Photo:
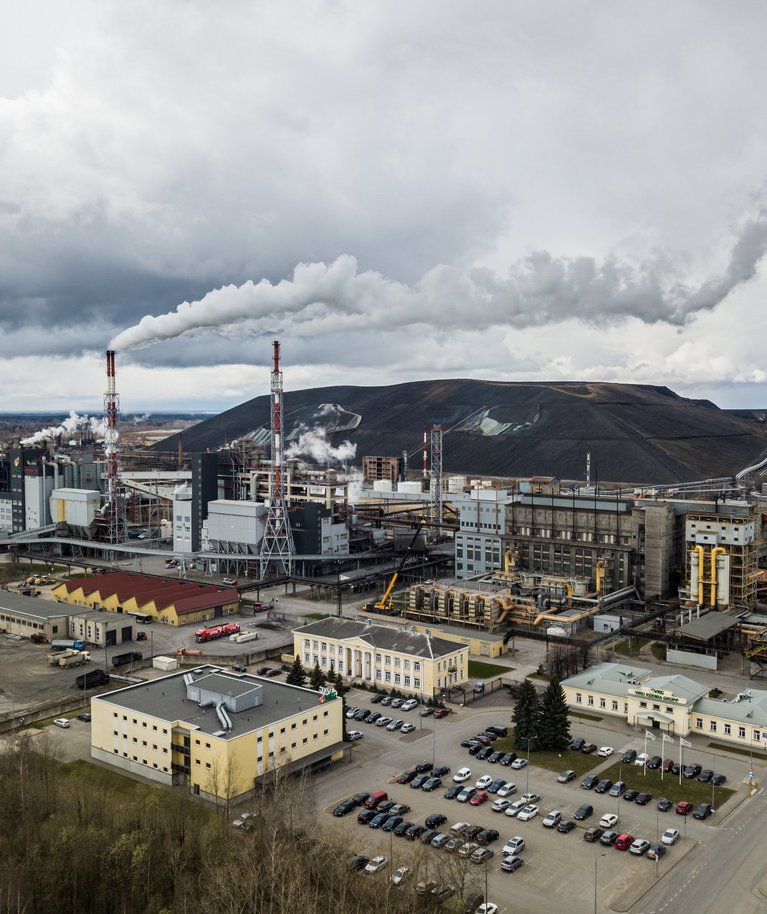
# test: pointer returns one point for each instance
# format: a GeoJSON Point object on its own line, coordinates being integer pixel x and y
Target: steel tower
{"type": "Point", "coordinates": [435, 484]}
{"type": "Point", "coordinates": [114, 509]}
{"type": "Point", "coordinates": [277, 549]}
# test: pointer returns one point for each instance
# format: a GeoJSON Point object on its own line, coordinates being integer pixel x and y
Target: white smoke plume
{"type": "Point", "coordinates": [70, 431]}
{"type": "Point", "coordinates": [323, 299]}
{"type": "Point", "coordinates": [314, 443]}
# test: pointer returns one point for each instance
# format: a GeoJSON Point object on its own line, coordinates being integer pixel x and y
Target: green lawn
{"type": "Point", "coordinates": [480, 670]}
{"type": "Point", "coordinates": [739, 750]}
{"type": "Point", "coordinates": [629, 648]}
{"type": "Point", "coordinates": [553, 761]}
{"type": "Point", "coordinates": [658, 649]}
{"type": "Point", "coordinates": [691, 790]}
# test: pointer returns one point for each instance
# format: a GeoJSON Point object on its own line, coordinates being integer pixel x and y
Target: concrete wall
{"type": "Point", "coordinates": [704, 661]}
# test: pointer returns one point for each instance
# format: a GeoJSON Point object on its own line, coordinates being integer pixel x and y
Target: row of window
{"type": "Point", "coordinates": [756, 735]}
{"type": "Point", "coordinates": [143, 761]}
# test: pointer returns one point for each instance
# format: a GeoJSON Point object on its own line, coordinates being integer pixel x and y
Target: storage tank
{"type": "Point", "coordinates": [77, 507]}
{"type": "Point", "coordinates": [382, 485]}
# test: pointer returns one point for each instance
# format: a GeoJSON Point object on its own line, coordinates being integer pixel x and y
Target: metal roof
{"type": "Point", "coordinates": [708, 626]}
{"type": "Point", "coordinates": [401, 640]}
{"type": "Point", "coordinates": [31, 607]}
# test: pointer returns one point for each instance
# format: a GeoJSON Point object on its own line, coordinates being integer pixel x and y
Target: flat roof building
{"type": "Point", "coordinates": [216, 732]}
{"type": "Point", "coordinates": [29, 616]}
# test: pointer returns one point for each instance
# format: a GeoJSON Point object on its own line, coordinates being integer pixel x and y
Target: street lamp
{"type": "Point", "coordinates": [596, 866]}
{"type": "Point", "coordinates": [528, 739]}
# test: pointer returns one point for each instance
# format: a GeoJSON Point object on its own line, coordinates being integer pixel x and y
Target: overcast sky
{"type": "Point", "coordinates": [397, 191]}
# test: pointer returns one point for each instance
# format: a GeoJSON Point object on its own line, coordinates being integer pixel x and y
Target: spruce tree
{"type": "Point", "coordinates": [525, 717]}
{"type": "Point", "coordinates": [339, 684]}
{"type": "Point", "coordinates": [554, 725]}
{"type": "Point", "coordinates": [317, 679]}
{"type": "Point", "coordinates": [296, 675]}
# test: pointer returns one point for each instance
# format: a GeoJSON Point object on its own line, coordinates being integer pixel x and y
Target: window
{"type": "Point", "coordinates": [578, 698]}
{"type": "Point", "coordinates": [727, 730]}
{"type": "Point", "coordinates": [712, 726]}
{"type": "Point", "coordinates": [698, 723]}
{"type": "Point", "coordinates": [590, 700]}
{"type": "Point", "coordinates": [669, 710]}
{"type": "Point", "coordinates": [642, 704]}
{"type": "Point", "coordinates": [602, 703]}
{"type": "Point", "coordinates": [742, 732]}
{"type": "Point", "coordinates": [416, 666]}
{"type": "Point", "coordinates": [615, 706]}
{"type": "Point", "coordinates": [417, 683]}
{"type": "Point", "coordinates": [756, 735]}
{"type": "Point", "coordinates": [656, 707]}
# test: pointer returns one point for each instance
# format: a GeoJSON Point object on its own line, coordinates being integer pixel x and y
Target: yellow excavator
{"type": "Point", "coordinates": [383, 605]}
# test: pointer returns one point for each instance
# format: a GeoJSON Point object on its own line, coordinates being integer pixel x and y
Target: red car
{"type": "Point", "coordinates": [480, 797]}
{"type": "Point", "coordinates": [441, 712]}
{"type": "Point", "coordinates": [684, 808]}
{"type": "Point", "coordinates": [623, 842]}
{"type": "Point", "coordinates": [668, 764]}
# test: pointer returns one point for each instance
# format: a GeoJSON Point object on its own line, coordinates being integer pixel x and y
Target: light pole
{"type": "Point", "coordinates": [528, 739]}
{"type": "Point", "coordinates": [596, 867]}
{"type": "Point", "coordinates": [433, 740]}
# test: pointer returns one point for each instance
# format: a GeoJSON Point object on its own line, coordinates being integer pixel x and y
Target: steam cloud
{"type": "Point", "coordinates": [323, 299]}
{"type": "Point", "coordinates": [70, 430]}
{"type": "Point", "coordinates": [314, 443]}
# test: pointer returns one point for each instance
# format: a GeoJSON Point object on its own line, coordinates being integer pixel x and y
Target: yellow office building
{"type": "Point", "coordinates": [412, 662]}
{"type": "Point", "coordinates": [214, 731]}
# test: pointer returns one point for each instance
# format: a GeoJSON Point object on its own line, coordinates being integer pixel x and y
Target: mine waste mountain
{"type": "Point", "coordinates": [635, 433]}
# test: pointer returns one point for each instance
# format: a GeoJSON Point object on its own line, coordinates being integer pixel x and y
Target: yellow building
{"type": "Point", "coordinates": [215, 732]}
{"type": "Point", "coordinates": [168, 600]}
{"type": "Point", "coordinates": [412, 662]}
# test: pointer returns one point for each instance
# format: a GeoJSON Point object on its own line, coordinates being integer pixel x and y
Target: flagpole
{"type": "Point", "coordinates": [644, 767]}
{"type": "Point", "coordinates": [680, 761]}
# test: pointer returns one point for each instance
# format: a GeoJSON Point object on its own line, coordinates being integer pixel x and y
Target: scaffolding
{"type": "Point", "coordinates": [436, 507]}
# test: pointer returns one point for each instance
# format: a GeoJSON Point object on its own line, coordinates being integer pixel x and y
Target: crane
{"type": "Point", "coordinates": [383, 604]}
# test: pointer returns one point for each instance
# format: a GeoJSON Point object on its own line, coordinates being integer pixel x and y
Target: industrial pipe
{"type": "Point", "coordinates": [698, 580]}
{"type": "Point", "coordinates": [717, 550]}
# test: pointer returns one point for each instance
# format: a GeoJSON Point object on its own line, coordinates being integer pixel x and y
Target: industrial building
{"type": "Point", "coordinates": [388, 468]}
{"type": "Point", "coordinates": [168, 600]}
{"type": "Point", "coordinates": [217, 733]}
{"type": "Point", "coordinates": [414, 663]}
{"type": "Point", "coordinates": [102, 628]}
{"type": "Point", "coordinates": [29, 616]}
{"type": "Point", "coordinates": [675, 705]}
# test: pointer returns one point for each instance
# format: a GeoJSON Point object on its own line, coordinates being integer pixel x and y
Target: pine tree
{"type": "Point", "coordinates": [296, 675]}
{"type": "Point", "coordinates": [339, 684]}
{"type": "Point", "coordinates": [525, 717]}
{"type": "Point", "coordinates": [317, 679]}
{"type": "Point", "coordinates": [554, 725]}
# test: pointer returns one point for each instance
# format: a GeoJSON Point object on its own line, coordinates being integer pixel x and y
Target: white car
{"type": "Point", "coordinates": [354, 735]}
{"type": "Point", "coordinates": [407, 728]}
{"type": "Point", "coordinates": [243, 819]}
{"type": "Point", "coordinates": [519, 763]}
{"type": "Point", "coordinates": [484, 782]}
{"type": "Point", "coordinates": [409, 704]}
{"type": "Point", "coordinates": [513, 846]}
{"type": "Point", "coordinates": [513, 810]}
{"type": "Point", "coordinates": [383, 721]}
{"type": "Point", "coordinates": [528, 812]}
{"type": "Point", "coordinates": [400, 875]}
{"type": "Point", "coordinates": [463, 774]}
{"type": "Point", "coordinates": [552, 819]}
{"type": "Point", "coordinates": [62, 722]}
{"type": "Point", "coordinates": [605, 751]}
{"type": "Point", "coordinates": [507, 790]}
{"type": "Point", "coordinates": [530, 797]}
{"type": "Point", "coordinates": [642, 759]}
{"type": "Point", "coordinates": [609, 820]}
{"type": "Point", "coordinates": [377, 864]}
{"type": "Point", "coordinates": [670, 836]}
{"type": "Point", "coordinates": [487, 908]}
{"type": "Point", "coordinates": [500, 805]}
{"type": "Point", "coordinates": [458, 828]}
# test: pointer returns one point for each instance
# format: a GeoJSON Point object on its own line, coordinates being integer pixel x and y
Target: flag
{"type": "Point", "coordinates": [648, 735]}
{"type": "Point", "coordinates": [667, 738]}
{"type": "Point", "coordinates": [683, 742]}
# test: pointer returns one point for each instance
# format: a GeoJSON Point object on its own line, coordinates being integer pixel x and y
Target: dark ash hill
{"type": "Point", "coordinates": [635, 433]}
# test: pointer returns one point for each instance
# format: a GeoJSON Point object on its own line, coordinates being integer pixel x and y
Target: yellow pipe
{"type": "Point", "coordinates": [717, 550]}
{"type": "Point", "coordinates": [699, 550]}
{"type": "Point", "coordinates": [600, 576]}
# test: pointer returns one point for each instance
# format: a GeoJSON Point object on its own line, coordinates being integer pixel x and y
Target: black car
{"type": "Point", "coordinates": [418, 782]}
{"type": "Point", "coordinates": [702, 811]}
{"type": "Point", "coordinates": [718, 779]}
{"type": "Point", "coordinates": [508, 758]}
{"type": "Point", "coordinates": [495, 758]}
{"type": "Point", "coordinates": [435, 820]}
{"type": "Point", "coordinates": [84, 716]}
{"type": "Point", "coordinates": [452, 792]}
{"type": "Point", "coordinates": [363, 714]}
{"type": "Point", "coordinates": [487, 836]}
{"type": "Point", "coordinates": [592, 834]}
{"type": "Point", "coordinates": [706, 776]}
{"type": "Point", "coordinates": [577, 744]}
{"type": "Point", "coordinates": [476, 748]}
{"type": "Point", "coordinates": [366, 816]}
{"type": "Point", "coordinates": [608, 838]}
{"type": "Point", "coordinates": [629, 756]}
{"type": "Point", "coordinates": [674, 769]}
{"type": "Point", "coordinates": [376, 699]}
{"type": "Point", "coordinates": [400, 830]}
{"type": "Point", "coordinates": [489, 735]}
{"type": "Point", "coordinates": [603, 786]}
{"type": "Point", "coordinates": [440, 771]}
{"type": "Point", "coordinates": [431, 784]}
{"type": "Point", "coordinates": [496, 785]}
{"type": "Point", "coordinates": [407, 776]}
{"type": "Point", "coordinates": [584, 811]}
{"type": "Point", "coordinates": [372, 718]}
{"type": "Point", "coordinates": [385, 806]}
{"type": "Point", "coordinates": [500, 731]}
{"type": "Point", "coordinates": [470, 832]}
{"type": "Point", "coordinates": [399, 809]}
{"type": "Point", "coordinates": [359, 798]}
{"type": "Point", "coordinates": [643, 798]}
{"type": "Point", "coordinates": [691, 771]}
{"type": "Point", "coordinates": [565, 826]}
{"type": "Point", "coordinates": [664, 805]}
{"type": "Point", "coordinates": [378, 819]}
{"type": "Point", "coordinates": [467, 743]}
{"type": "Point", "coordinates": [591, 781]}
{"type": "Point", "coordinates": [415, 832]}
{"type": "Point", "coordinates": [655, 762]}
{"type": "Point", "coordinates": [358, 862]}
{"type": "Point", "coordinates": [630, 795]}
{"type": "Point", "coordinates": [485, 753]}
{"type": "Point", "coordinates": [422, 767]}
{"type": "Point", "coordinates": [391, 823]}
{"type": "Point", "coordinates": [343, 808]}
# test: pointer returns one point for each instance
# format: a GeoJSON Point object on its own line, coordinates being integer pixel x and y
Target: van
{"type": "Point", "coordinates": [499, 731]}
{"type": "Point", "coordinates": [375, 798]}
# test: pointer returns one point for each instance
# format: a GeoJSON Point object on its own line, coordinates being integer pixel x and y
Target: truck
{"type": "Point", "coordinates": [91, 679]}
{"type": "Point", "coordinates": [216, 631]}
{"type": "Point", "coordinates": [129, 657]}
{"type": "Point", "coordinates": [62, 644]}
{"type": "Point", "coordinates": [55, 658]}
{"type": "Point", "coordinates": [79, 658]}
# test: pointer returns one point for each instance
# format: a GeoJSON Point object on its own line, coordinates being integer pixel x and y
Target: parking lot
{"type": "Point", "coordinates": [561, 866]}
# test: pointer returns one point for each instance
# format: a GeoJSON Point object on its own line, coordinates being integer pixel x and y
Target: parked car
{"type": "Point", "coordinates": [643, 798]}
{"type": "Point", "coordinates": [401, 875]}
{"type": "Point", "coordinates": [654, 762]}
{"type": "Point", "coordinates": [354, 735]}
{"type": "Point", "coordinates": [500, 805]}
{"type": "Point", "coordinates": [684, 808]}
{"type": "Point", "coordinates": [590, 782]}
{"type": "Point", "coordinates": [603, 786]}
{"type": "Point", "coordinates": [588, 748]}
{"type": "Point", "coordinates": [418, 781]}
{"type": "Point", "coordinates": [482, 855]}
{"type": "Point", "coordinates": [423, 767]}
{"type": "Point", "coordinates": [507, 790]}
{"type": "Point", "coordinates": [402, 828]}
{"type": "Point", "coordinates": [372, 718]}
{"type": "Point", "coordinates": [395, 724]}
{"type": "Point", "coordinates": [487, 836]}
{"type": "Point", "coordinates": [605, 751]}
{"type": "Point", "coordinates": [415, 832]}
{"type": "Point", "coordinates": [435, 820]}
{"type": "Point", "coordinates": [466, 850]}
{"type": "Point", "coordinates": [666, 765]}
{"type": "Point", "coordinates": [576, 744]}
{"type": "Point", "coordinates": [396, 702]}
{"type": "Point", "coordinates": [383, 721]}
{"type": "Point", "coordinates": [452, 792]}
{"type": "Point", "coordinates": [484, 782]}
{"type": "Point", "coordinates": [702, 811]}
{"type": "Point", "coordinates": [244, 820]}
{"type": "Point", "coordinates": [480, 797]}
{"type": "Point", "coordinates": [629, 756]}
{"type": "Point", "coordinates": [391, 823]}
{"type": "Point", "coordinates": [463, 774]}
{"type": "Point", "coordinates": [407, 776]}
{"type": "Point", "coordinates": [358, 862]}
{"type": "Point", "coordinates": [466, 794]}
{"type": "Point", "coordinates": [407, 728]}
{"type": "Point", "coordinates": [458, 828]}
{"type": "Point", "coordinates": [552, 819]}
{"type": "Point", "coordinates": [530, 797]}
{"type": "Point", "coordinates": [519, 763]}
{"type": "Point", "coordinates": [623, 842]}
{"type": "Point", "coordinates": [592, 834]}
{"type": "Point", "coordinates": [496, 785]}
{"type": "Point", "coordinates": [376, 699]}
{"type": "Point", "coordinates": [691, 771]}
{"type": "Point", "coordinates": [440, 840]}
{"type": "Point", "coordinates": [617, 789]}
{"type": "Point", "coordinates": [432, 784]}
{"type": "Point", "coordinates": [365, 816]}
{"type": "Point", "coordinates": [62, 722]}
{"type": "Point", "coordinates": [706, 776]}
{"type": "Point", "coordinates": [440, 771]}
{"type": "Point", "coordinates": [528, 812]}
{"type": "Point", "coordinates": [515, 807]}
{"type": "Point", "coordinates": [656, 851]}
{"type": "Point", "coordinates": [409, 704]}
{"type": "Point", "coordinates": [508, 758]}
{"type": "Point", "coordinates": [608, 820]}
{"type": "Point", "coordinates": [485, 753]}
{"type": "Point", "coordinates": [639, 847]}
{"type": "Point", "coordinates": [718, 779]}
{"type": "Point", "coordinates": [565, 826]}
{"type": "Point", "coordinates": [670, 836]}
{"type": "Point", "coordinates": [428, 836]}
{"type": "Point", "coordinates": [511, 864]}
{"type": "Point", "coordinates": [441, 712]}
{"type": "Point", "coordinates": [630, 795]}
{"type": "Point", "coordinates": [427, 712]}
{"type": "Point", "coordinates": [608, 838]}
{"type": "Point", "coordinates": [583, 812]}
{"type": "Point", "coordinates": [664, 805]}
{"type": "Point", "coordinates": [642, 759]}
{"type": "Point", "coordinates": [495, 758]}
{"type": "Point", "coordinates": [514, 846]}
{"type": "Point", "coordinates": [498, 730]}
{"type": "Point", "coordinates": [566, 776]}
{"type": "Point", "coordinates": [84, 716]}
